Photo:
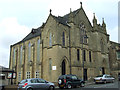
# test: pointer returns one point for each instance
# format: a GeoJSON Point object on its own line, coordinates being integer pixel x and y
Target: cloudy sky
{"type": "Point", "coordinates": [18, 17]}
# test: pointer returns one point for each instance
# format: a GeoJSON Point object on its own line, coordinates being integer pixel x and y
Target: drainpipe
{"type": "Point", "coordinates": [42, 62]}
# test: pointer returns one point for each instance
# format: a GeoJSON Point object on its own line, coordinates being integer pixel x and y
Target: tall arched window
{"type": "Point", "coordinates": [29, 51]}
{"type": "Point", "coordinates": [50, 39]}
{"type": "Point", "coordinates": [38, 50]}
{"type": "Point", "coordinates": [63, 38]}
{"type": "Point", "coordinates": [13, 57]}
{"type": "Point", "coordinates": [50, 65]}
{"type": "Point", "coordinates": [21, 54]}
{"type": "Point", "coordinates": [83, 35]}
{"type": "Point", "coordinates": [102, 45]}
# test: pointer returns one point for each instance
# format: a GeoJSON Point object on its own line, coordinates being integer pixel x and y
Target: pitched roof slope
{"type": "Point", "coordinates": [63, 20]}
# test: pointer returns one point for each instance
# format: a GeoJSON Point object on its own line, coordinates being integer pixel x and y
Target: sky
{"type": "Point", "coordinates": [18, 17]}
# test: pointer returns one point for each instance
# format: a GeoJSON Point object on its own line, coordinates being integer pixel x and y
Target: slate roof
{"type": "Point", "coordinates": [37, 32]}
{"type": "Point", "coordinates": [32, 34]}
{"type": "Point", "coordinates": [63, 20]}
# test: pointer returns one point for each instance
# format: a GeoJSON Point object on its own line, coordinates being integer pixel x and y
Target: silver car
{"type": "Point", "coordinates": [104, 78]}
{"type": "Point", "coordinates": [35, 84]}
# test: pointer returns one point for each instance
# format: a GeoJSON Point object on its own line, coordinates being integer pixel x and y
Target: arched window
{"type": "Point", "coordinates": [90, 56]}
{"type": "Point", "coordinates": [50, 65]}
{"type": "Point", "coordinates": [38, 50]}
{"type": "Point", "coordinates": [21, 54]}
{"type": "Point", "coordinates": [78, 54]}
{"type": "Point", "coordinates": [102, 45]}
{"type": "Point", "coordinates": [13, 57]}
{"type": "Point", "coordinates": [50, 39]}
{"type": "Point", "coordinates": [29, 51]}
{"type": "Point", "coordinates": [84, 55]}
{"type": "Point", "coordinates": [63, 38]}
{"type": "Point", "coordinates": [83, 35]}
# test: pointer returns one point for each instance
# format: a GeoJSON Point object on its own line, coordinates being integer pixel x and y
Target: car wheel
{"type": "Point", "coordinates": [69, 86]}
{"type": "Point", "coordinates": [51, 88]}
{"type": "Point", "coordinates": [112, 81]}
{"type": "Point", "coordinates": [29, 89]}
{"type": "Point", "coordinates": [105, 82]}
{"type": "Point", "coordinates": [82, 85]}
{"type": "Point", "coordinates": [61, 87]}
{"type": "Point", "coordinates": [96, 82]}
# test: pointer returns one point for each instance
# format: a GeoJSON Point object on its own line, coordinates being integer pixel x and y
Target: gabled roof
{"type": "Point", "coordinates": [32, 34]}
{"type": "Point", "coordinates": [63, 20]}
{"type": "Point", "coordinates": [73, 13]}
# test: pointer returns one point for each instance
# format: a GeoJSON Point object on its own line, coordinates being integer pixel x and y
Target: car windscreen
{"type": "Point", "coordinates": [74, 77]}
{"type": "Point", "coordinates": [23, 81]}
{"type": "Point", "coordinates": [61, 77]}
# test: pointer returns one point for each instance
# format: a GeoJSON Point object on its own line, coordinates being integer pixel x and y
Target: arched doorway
{"type": "Point", "coordinates": [63, 67]}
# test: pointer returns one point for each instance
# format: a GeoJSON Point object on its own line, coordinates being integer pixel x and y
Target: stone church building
{"type": "Point", "coordinates": [67, 44]}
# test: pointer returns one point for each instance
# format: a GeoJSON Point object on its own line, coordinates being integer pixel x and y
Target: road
{"type": "Point", "coordinates": [108, 86]}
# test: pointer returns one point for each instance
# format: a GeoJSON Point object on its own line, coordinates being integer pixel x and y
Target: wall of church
{"type": "Point", "coordinates": [43, 56]}
{"type": "Point", "coordinates": [23, 63]}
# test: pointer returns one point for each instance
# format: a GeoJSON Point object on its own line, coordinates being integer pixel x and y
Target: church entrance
{"type": "Point", "coordinates": [103, 70]}
{"type": "Point", "coordinates": [85, 74]}
{"type": "Point", "coordinates": [63, 67]}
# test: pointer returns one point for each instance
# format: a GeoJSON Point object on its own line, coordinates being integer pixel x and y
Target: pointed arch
{"type": "Point", "coordinates": [14, 55]}
{"type": "Point", "coordinates": [38, 50]}
{"type": "Point", "coordinates": [21, 52]}
{"type": "Point", "coordinates": [63, 38]}
{"type": "Point", "coordinates": [64, 65]}
{"type": "Point", "coordinates": [65, 58]}
{"type": "Point", "coordinates": [29, 51]}
{"type": "Point", "coordinates": [83, 32]}
{"type": "Point", "coordinates": [49, 38]}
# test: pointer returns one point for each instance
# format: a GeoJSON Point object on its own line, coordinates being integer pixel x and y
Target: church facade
{"type": "Point", "coordinates": [63, 45]}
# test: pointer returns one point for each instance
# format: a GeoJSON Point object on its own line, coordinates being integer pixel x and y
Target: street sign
{"type": "Point", "coordinates": [53, 67]}
{"type": "Point", "coordinates": [9, 75]}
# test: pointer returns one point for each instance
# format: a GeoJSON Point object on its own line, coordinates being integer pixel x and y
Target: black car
{"type": "Point", "coordinates": [70, 81]}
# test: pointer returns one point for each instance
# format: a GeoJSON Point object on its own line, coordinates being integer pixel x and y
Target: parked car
{"type": "Point", "coordinates": [35, 84]}
{"type": "Point", "coordinates": [104, 79]}
{"type": "Point", "coordinates": [118, 77]}
{"type": "Point", "coordinates": [70, 81]}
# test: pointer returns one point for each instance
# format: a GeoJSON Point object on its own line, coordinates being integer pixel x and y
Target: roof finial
{"type": "Point", "coordinates": [103, 19]}
{"type": "Point", "coordinates": [81, 4]}
{"type": "Point", "coordinates": [94, 20]}
{"type": "Point", "coordinates": [70, 10]}
{"type": "Point", "coordinates": [103, 24]}
{"type": "Point", "coordinates": [50, 11]}
{"type": "Point", "coordinates": [94, 15]}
